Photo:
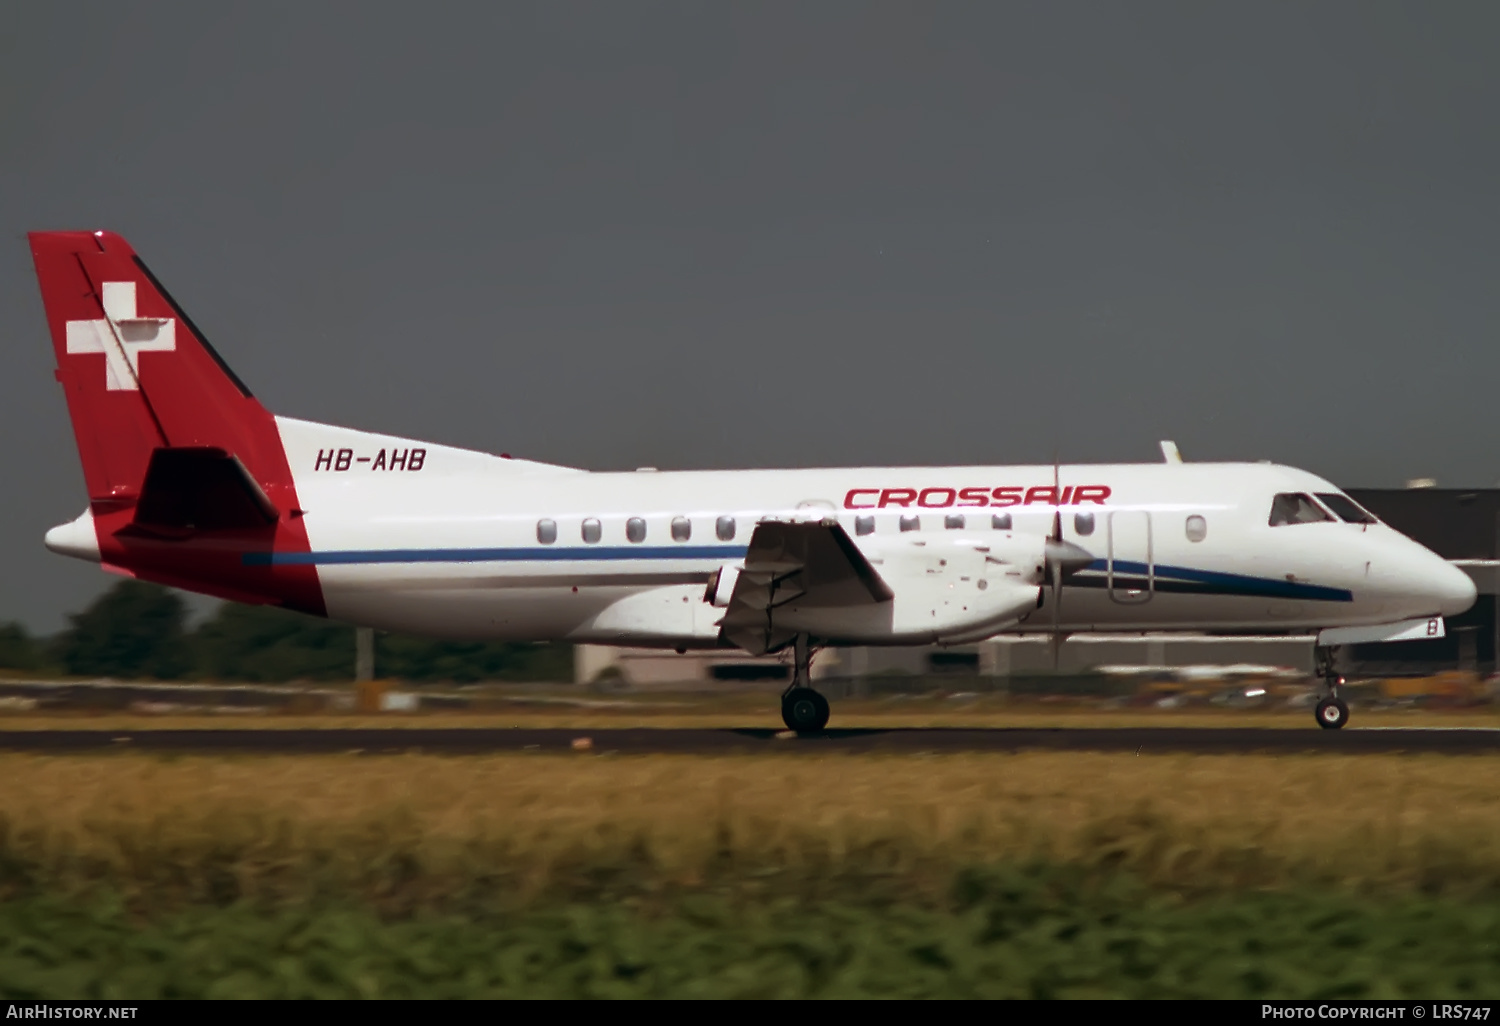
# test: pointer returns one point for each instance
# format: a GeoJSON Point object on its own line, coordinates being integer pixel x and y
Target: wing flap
{"type": "Point", "coordinates": [815, 564]}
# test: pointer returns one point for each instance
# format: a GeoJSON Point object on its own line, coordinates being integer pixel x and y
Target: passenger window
{"type": "Point", "coordinates": [864, 525]}
{"type": "Point", "coordinates": [911, 523]}
{"type": "Point", "coordinates": [954, 521]}
{"type": "Point", "coordinates": [1083, 523]}
{"type": "Point", "coordinates": [724, 528]}
{"type": "Point", "coordinates": [635, 529]}
{"type": "Point", "coordinates": [1197, 528]}
{"type": "Point", "coordinates": [1296, 508]}
{"type": "Point", "coordinates": [1347, 509]}
{"type": "Point", "coordinates": [591, 530]}
{"type": "Point", "coordinates": [682, 529]}
{"type": "Point", "coordinates": [546, 531]}
{"type": "Point", "coordinates": [1000, 522]}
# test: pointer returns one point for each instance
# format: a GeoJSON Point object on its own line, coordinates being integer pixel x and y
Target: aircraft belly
{"type": "Point", "coordinates": [460, 610]}
{"type": "Point", "coordinates": [477, 607]}
{"type": "Point", "coordinates": [670, 615]}
{"type": "Point", "coordinates": [1094, 610]}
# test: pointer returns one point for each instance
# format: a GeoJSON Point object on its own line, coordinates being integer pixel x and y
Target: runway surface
{"type": "Point", "coordinates": [644, 740]}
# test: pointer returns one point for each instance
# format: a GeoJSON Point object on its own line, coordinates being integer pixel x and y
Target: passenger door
{"type": "Point", "coordinates": [1131, 563]}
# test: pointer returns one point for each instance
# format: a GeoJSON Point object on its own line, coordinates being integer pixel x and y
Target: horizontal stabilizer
{"type": "Point", "coordinates": [200, 489]}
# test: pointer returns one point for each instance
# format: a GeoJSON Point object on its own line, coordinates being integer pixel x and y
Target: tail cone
{"type": "Point", "coordinates": [77, 538]}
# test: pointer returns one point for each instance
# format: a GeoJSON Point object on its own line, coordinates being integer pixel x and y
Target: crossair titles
{"type": "Point", "coordinates": [943, 498]}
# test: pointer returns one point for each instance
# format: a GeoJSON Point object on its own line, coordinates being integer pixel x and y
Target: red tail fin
{"type": "Point", "coordinates": [139, 378]}
{"type": "Point", "coordinates": [138, 374]}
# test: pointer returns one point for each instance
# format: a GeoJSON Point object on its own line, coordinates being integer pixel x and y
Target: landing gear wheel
{"type": "Point", "coordinates": [1332, 713]}
{"type": "Point", "coordinates": [804, 710]}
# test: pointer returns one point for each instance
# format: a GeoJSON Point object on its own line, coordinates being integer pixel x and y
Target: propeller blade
{"type": "Point", "coordinates": [1067, 556]}
{"type": "Point", "coordinates": [1056, 499]}
{"type": "Point", "coordinates": [1056, 615]}
{"type": "Point", "coordinates": [1054, 563]}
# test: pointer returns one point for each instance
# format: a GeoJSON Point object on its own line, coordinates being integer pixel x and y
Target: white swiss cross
{"type": "Point", "coordinates": [122, 337]}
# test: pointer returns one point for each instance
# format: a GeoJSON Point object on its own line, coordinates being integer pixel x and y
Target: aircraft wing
{"type": "Point", "coordinates": [814, 564]}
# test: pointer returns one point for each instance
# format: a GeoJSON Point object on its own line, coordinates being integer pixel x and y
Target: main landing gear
{"type": "Point", "coordinates": [1331, 712]}
{"type": "Point", "coordinates": [802, 708]}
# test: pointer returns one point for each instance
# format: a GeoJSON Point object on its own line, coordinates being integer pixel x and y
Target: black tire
{"type": "Point", "coordinates": [1331, 714]}
{"type": "Point", "coordinates": [804, 710]}
{"type": "Point", "coordinates": [823, 711]}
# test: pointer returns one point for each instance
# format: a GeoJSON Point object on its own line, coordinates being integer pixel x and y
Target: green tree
{"type": "Point", "coordinates": [134, 629]}
{"type": "Point", "coordinates": [18, 649]}
{"type": "Point", "coordinates": [424, 659]}
{"type": "Point", "coordinates": [268, 644]}
{"type": "Point", "coordinates": [137, 630]}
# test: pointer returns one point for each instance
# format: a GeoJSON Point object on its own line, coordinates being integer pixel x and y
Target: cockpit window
{"type": "Point", "coordinates": [1348, 510]}
{"type": "Point", "coordinates": [1296, 508]}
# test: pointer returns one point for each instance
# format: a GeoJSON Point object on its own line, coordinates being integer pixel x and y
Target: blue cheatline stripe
{"type": "Point", "coordinates": [1217, 583]}
{"type": "Point", "coordinates": [537, 554]}
{"type": "Point", "coordinates": [1206, 581]}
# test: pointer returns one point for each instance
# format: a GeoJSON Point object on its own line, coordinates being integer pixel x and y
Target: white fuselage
{"type": "Point", "coordinates": [441, 541]}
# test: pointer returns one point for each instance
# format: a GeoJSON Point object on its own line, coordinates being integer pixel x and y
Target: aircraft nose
{"type": "Point", "coordinates": [1453, 589]}
{"type": "Point", "coordinates": [1418, 582]}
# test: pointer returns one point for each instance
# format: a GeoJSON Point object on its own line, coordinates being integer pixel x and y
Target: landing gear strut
{"type": "Point", "coordinates": [802, 708]}
{"type": "Point", "coordinates": [1331, 712]}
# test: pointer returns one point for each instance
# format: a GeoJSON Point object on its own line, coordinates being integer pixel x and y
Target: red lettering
{"type": "Point", "coordinates": [343, 459]}
{"type": "Point", "coordinates": [398, 459]}
{"type": "Point", "coordinates": [325, 460]}
{"type": "Point", "coordinates": [417, 459]}
{"type": "Point", "coordinates": [379, 463]}
{"type": "Point", "coordinates": [941, 498]}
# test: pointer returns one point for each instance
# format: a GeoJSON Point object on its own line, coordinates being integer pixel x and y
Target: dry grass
{"type": "Point", "coordinates": [412, 828]}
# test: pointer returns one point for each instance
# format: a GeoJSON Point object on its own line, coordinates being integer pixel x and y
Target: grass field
{"type": "Point", "coordinates": [1414, 822]}
{"type": "Point", "coordinates": [585, 874]}
{"type": "Point", "coordinates": [1027, 932]}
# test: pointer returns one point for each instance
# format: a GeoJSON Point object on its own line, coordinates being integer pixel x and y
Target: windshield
{"type": "Point", "coordinates": [1348, 510]}
{"type": "Point", "coordinates": [1296, 508]}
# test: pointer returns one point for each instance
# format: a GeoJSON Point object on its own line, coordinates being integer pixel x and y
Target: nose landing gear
{"type": "Point", "coordinates": [802, 708]}
{"type": "Point", "coordinates": [1331, 712]}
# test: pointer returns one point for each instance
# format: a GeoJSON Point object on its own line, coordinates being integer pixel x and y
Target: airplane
{"type": "Point", "coordinates": [193, 484]}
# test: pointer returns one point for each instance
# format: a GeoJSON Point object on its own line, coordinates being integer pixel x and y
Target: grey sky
{"type": "Point", "coordinates": [765, 234]}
